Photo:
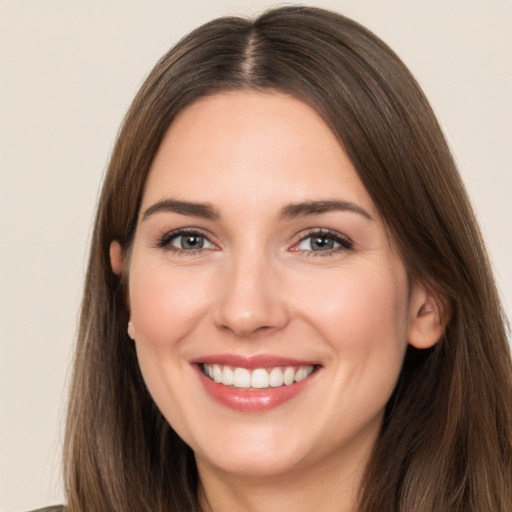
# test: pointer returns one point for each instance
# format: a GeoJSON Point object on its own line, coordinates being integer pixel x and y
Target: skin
{"type": "Point", "coordinates": [257, 287]}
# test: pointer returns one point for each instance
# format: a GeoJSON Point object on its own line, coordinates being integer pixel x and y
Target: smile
{"type": "Point", "coordinates": [257, 383]}
{"type": "Point", "coordinates": [257, 378]}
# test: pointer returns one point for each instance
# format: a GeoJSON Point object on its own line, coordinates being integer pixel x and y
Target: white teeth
{"type": "Point", "coordinates": [241, 378]}
{"type": "Point", "coordinates": [217, 373]}
{"type": "Point", "coordinates": [289, 375]}
{"type": "Point", "coordinates": [301, 374]}
{"type": "Point", "coordinates": [258, 378]}
{"type": "Point", "coordinates": [276, 377]}
{"type": "Point", "coordinates": [227, 376]}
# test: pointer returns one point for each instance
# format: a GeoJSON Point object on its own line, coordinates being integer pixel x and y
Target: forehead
{"type": "Point", "coordinates": [253, 146]}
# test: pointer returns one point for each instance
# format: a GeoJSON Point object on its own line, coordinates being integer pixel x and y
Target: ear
{"type": "Point", "coordinates": [429, 315]}
{"type": "Point", "coordinates": [116, 258]}
{"type": "Point", "coordinates": [117, 262]}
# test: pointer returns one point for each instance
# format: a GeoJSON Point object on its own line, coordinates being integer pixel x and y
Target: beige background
{"type": "Point", "coordinates": [68, 71]}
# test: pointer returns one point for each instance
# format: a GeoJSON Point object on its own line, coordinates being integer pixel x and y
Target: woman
{"type": "Point", "coordinates": [288, 303]}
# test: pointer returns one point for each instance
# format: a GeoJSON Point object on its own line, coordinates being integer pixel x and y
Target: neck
{"type": "Point", "coordinates": [329, 487]}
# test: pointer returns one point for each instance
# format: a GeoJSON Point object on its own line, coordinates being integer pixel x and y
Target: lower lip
{"type": "Point", "coordinates": [253, 400]}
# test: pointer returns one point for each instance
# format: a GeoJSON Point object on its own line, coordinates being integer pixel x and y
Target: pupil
{"type": "Point", "coordinates": [322, 242]}
{"type": "Point", "coordinates": [192, 242]}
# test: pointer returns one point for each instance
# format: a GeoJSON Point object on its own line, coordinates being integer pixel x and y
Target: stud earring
{"type": "Point", "coordinates": [130, 330]}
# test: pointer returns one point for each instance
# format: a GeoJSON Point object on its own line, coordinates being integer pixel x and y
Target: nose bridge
{"type": "Point", "coordinates": [251, 301]}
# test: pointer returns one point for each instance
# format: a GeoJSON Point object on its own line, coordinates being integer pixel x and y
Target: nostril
{"type": "Point", "coordinates": [264, 328]}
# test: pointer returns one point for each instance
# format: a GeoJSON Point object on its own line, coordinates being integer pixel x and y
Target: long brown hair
{"type": "Point", "coordinates": [446, 441]}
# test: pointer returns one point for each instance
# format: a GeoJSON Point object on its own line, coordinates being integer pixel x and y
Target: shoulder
{"type": "Point", "coordinates": [55, 508]}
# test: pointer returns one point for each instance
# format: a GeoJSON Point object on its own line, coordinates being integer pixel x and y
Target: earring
{"type": "Point", "coordinates": [130, 330]}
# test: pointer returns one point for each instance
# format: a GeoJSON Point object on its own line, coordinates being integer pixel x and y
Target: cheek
{"type": "Point", "coordinates": [362, 312]}
{"type": "Point", "coordinates": [165, 305]}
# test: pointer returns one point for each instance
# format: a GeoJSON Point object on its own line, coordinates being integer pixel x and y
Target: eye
{"type": "Point", "coordinates": [323, 242]}
{"type": "Point", "coordinates": [183, 240]}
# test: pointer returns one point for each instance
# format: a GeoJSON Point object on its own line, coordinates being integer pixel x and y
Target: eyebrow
{"type": "Point", "coordinates": [203, 210]}
{"type": "Point", "coordinates": [318, 207]}
{"type": "Point", "coordinates": [208, 211]}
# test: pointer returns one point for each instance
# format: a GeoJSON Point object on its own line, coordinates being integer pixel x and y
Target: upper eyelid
{"type": "Point", "coordinates": [305, 233]}
{"type": "Point", "coordinates": [180, 231]}
{"type": "Point", "coordinates": [345, 242]}
{"type": "Point", "coordinates": [166, 237]}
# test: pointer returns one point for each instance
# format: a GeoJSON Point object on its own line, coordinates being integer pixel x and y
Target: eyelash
{"type": "Point", "coordinates": [345, 244]}
{"type": "Point", "coordinates": [165, 242]}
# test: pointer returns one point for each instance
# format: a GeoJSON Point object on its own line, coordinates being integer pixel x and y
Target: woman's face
{"type": "Point", "coordinates": [259, 260]}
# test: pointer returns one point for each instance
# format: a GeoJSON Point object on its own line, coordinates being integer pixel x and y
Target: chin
{"type": "Point", "coordinates": [262, 464]}
{"type": "Point", "coordinates": [258, 453]}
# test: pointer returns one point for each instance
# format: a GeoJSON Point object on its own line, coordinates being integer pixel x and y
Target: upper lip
{"type": "Point", "coordinates": [251, 362]}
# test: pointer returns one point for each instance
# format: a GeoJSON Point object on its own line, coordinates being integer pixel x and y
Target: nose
{"type": "Point", "coordinates": [252, 300]}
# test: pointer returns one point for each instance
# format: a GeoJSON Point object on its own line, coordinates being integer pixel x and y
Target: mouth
{"type": "Point", "coordinates": [254, 384]}
{"type": "Point", "coordinates": [257, 378]}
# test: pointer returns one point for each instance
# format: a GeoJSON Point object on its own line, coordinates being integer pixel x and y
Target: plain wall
{"type": "Point", "coordinates": [68, 71]}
